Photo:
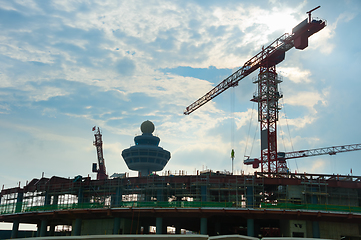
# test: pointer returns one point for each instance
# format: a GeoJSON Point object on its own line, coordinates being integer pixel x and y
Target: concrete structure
{"type": "Point", "coordinates": [290, 205]}
{"type": "Point", "coordinates": [146, 156]}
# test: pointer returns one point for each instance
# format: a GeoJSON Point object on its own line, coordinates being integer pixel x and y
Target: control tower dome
{"type": "Point", "coordinates": [146, 156]}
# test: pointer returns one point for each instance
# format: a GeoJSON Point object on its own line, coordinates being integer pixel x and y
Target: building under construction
{"type": "Point", "coordinates": [298, 205]}
{"type": "Point", "coordinates": [272, 202]}
{"type": "Point", "coordinates": [210, 203]}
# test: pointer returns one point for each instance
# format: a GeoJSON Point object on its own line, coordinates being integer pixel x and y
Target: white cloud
{"type": "Point", "coordinates": [243, 118]}
{"type": "Point", "coordinates": [307, 99]}
{"type": "Point", "coordinates": [322, 39]}
{"type": "Point", "coordinates": [317, 165]}
{"type": "Point", "coordinates": [46, 93]}
{"type": "Point", "coordinates": [84, 48]}
{"type": "Point", "coordinates": [298, 123]}
{"type": "Point", "coordinates": [295, 74]}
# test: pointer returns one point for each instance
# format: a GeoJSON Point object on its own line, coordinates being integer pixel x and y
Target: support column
{"type": "Point", "coordinates": [116, 226]}
{"type": "Point", "coordinates": [80, 197]}
{"type": "Point", "coordinates": [117, 198]}
{"type": "Point", "coordinates": [204, 226]}
{"type": "Point", "coordinates": [15, 229]}
{"type": "Point", "coordinates": [47, 199]}
{"type": "Point", "coordinates": [19, 202]}
{"type": "Point", "coordinates": [18, 208]}
{"type": "Point", "coordinates": [43, 227]}
{"type": "Point", "coordinates": [249, 197]}
{"type": "Point", "coordinates": [55, 201]}
{"type": "Point", "coordinates": [250, 227]}
{"type": "Point", "coordinates": [77, 227]}
{"type": "Point", "coordinates": [38, 227]}
{"type": "Point", "coordinates": [146, 228]}
{"type": "Point", "coordinates": [160, 197]}
{"type": "Point", "coordinates": [178, 228]}
{"type": "Point", "coordinates": [52, 230]}
{"type": "Point", "coordinates": [217, 228]}
{"type": "Point", "coordinates": [315, 229]}
{"type": "Point", "coordinates": [204, 193]}
{"type": "Point", "coordinates": [315, 224]}
{"type": "Point", "coordinates": [158, 225]}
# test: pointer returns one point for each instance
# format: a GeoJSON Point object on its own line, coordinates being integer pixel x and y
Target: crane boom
{"type": "Point", "coordinates": [322, 151]}
{"type": "Point", "coordinates": [283, 156]}
{"type": "Point", "coordinates": [275, 51]}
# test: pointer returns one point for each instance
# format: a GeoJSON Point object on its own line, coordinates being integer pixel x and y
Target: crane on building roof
{"type": "Point", "coordinates": [98, 143]}
{"type": "Point", "coordinates": [267, 94]}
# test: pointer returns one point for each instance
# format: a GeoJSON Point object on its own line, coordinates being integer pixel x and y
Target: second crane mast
{"type": "Point", "coordinates": [98, 143]}
{"type": "Point", "coordinates": [267, 95]}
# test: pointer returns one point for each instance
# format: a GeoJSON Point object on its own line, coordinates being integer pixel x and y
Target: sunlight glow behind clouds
{"type": "Point", "coordinates": [77, 64]}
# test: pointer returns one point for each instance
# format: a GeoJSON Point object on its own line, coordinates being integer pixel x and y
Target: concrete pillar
{"type": "Point", "coordinates": [116, 226]}
{"type": "Point", "coordinates": [47, 199]}
{"type": "Point", "coordinates": [146, 228]}
{"type": "Point", "coordinates": [315, 229]}
{"type": "Point", "coordinates": [77, 227]}
{"type": "Point", "coordinates": [204, 226]}
{"type": "Point", "coordinates": [38, 230]}
{"type": "Point", "coordinates": [52, 230]}
{"type": "Point", "coordinates": [204, 193]}
{"type": "Point", "coordinates": [117, 198]}
{"type": "Point", "coordinates": [160, 197]}
{"type": "Point", "coordinates": [249, 197]}
{"type": "Point", "coordinates": [217, 228]}
{"type": "Point", "coordinates": [19, 202]}
{"type": "Point", "coordinates": [15, 229]}
{"type": "Point", "coordinates": [250, 227]}
{"type": "Point", "coordinates": [55, 201]}
{"type": "Point", "coordinates": [80, 197]}
{"type": "Point", "coordinates": [314, 198]}
{"type": "Point", "coordinates": [178, 228]}
{"type": "Point", "coordinates": [159, 225]}
{"type": "Point", "coordinates": [43, 227]}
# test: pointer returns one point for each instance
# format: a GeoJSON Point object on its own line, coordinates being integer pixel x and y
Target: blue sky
{"type": "Point", "coordinates": [66, 66]}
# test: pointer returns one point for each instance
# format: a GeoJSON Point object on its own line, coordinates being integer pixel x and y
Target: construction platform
{"type": "Point", "coordinates": [261, 205]}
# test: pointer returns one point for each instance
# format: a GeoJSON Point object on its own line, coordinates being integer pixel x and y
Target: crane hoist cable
{"type": "Point", "coordinates": [232, 118]}
{"type": "Point", "coordinates": [288, 128]}
{"type": "Point", "coordinates": [232, 126]}
{"type": "Point", "coordinates": [248, 134]}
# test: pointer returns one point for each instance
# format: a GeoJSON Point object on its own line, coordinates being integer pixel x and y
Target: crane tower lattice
{"type": "Point", "coordinates": [267, 95]}
{"type": "Point", "coordinates": [98, 143]}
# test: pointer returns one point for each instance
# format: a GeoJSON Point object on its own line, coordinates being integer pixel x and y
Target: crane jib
{"type": "Point", "coordinates": [273, 54]}
{"type": "Point", "coordinates": [269, 56]}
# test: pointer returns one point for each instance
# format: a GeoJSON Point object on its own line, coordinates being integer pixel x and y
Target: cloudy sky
{"type": "Point", "coordinates": [66, 66]}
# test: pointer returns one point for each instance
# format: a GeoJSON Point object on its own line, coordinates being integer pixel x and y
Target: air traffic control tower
{"type": "Point", "coordinates": [146, 156]}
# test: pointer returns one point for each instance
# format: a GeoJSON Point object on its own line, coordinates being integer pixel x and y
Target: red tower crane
{"type": "Point", "coordinates": [267, 94]}
{"type": "Point", "coordinates": [98, 143]}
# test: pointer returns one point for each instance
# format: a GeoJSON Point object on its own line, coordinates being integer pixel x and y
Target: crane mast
{"type": "Point", "coordinates": [267, 94]}
{"type": "Point", "coordinates": [98, 143]}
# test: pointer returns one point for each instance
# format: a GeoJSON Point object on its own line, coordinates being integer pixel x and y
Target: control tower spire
{"type": "Point", "coordinates": [146, 156]}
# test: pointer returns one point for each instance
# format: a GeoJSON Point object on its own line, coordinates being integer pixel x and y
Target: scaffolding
{"type": "Point", "coordinates": [210, 189]}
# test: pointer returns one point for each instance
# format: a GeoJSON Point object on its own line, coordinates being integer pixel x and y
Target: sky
{"type": "Point", "coordinates": [66, 66]}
